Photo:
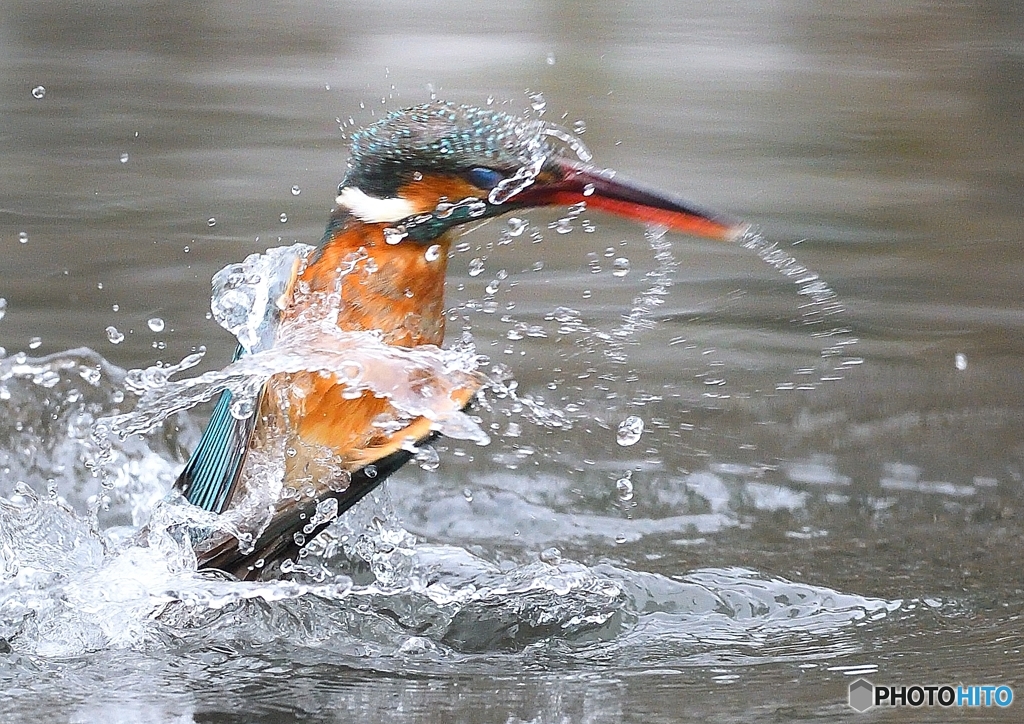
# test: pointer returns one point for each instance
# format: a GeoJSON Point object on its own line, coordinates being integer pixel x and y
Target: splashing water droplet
{"type": "Point", "coordinates": [296, 191]}
{"type": "Point", "coordinates": [242, 408]}
{"type": "Point", "coordinates": [23, 237]}
{"type": "Point", "coordinates": [537, 103]}
{"type": "Point", "coordinates": [393, 236]}
{"type": "Point", "coordinates": [620, 267]}
{"type": "Point", "coordinates": [35, 343]}
{"type": "Point", "coordinates": [562, 226]}
{"type": "Point", "coordinates": [476, 267]}
{"type": "Point", "coordinates": [427, 458]}
{"type": "Point", "coordinates": [629, 431]}
{"type": "Point", "coordinates": [516, 226]}
{"type": "Point", "coordinates": [551, 556]}
{"type": "Point", "coordinates": [624, 487]}
{"type": "Point", "coordinates": [244, 295]}
{"type": "Point", "coordinates": [433, 252]}
{"type": "Point", "coordinates": [38, 92]}
{"type": "Point", "coordinates": [113, 335]}
{"type": "Point", "coordinates": [156, 324]}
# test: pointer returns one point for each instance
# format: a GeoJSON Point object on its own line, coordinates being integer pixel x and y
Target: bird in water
{"type": "Point", "coordinates": [416, 179]}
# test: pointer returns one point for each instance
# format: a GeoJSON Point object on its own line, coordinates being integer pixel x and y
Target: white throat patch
{"type": "Point", "coordinates": [373, 210]}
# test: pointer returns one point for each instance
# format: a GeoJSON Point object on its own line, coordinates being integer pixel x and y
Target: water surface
{"type": "Point", "coordinates": [777, 535]}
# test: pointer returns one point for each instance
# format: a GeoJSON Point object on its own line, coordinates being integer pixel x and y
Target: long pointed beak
{"type": "Point", "coordinates": [572, 182]}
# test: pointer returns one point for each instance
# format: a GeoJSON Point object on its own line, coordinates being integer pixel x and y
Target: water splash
{"type": "Point", "coordinates": [50, 405]}
{"type": "Point", "coordinates": [421, 381]}
{"type": "Point", "coordinates": [821, 306]}
{"type": "Point", "coordinates": [66, 590]}
{"type": "Point", "coordinates": [246, 296]}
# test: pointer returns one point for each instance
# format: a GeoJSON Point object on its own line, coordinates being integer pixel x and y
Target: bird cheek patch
{"type": "Point", "coordinates": [374, 210]}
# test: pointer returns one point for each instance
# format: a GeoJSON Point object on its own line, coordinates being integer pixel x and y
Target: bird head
{"type": "Point", "coordinates": [426, 170]}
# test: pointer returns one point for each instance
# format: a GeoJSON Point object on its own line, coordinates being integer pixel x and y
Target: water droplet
{"type": "Point", "coordinates": [961, 361]}
{"type": "Point", "coordinates": [156, 324]}
{"type": "Point", "coordinates": [516, 226]}
{"type": "Point", "coordinates": [588, 190]}
{"type": "Point", "coordinates": [624, 486]}
{"type": "Point", "coordinates": [417, 176]}
{"type": "Point", "coordinates": [114, 336]}
{"type": "Point", "coordinates": [562, 226]}
{"type": "Point", "coordinates": [467, 494]}
{"type": "Point", "coordinates": [620, 539]}
{"type": "Point", "coordinates": [370, 471]}
{"type": "Point", "coordinates": [211, 222]}
{"type": "Point", "coordinates": [492, 287]}
{"type": "Point", "coordinates": [476, 267]}
{"type": "Point", "coordinates": [620, 267]}
{"type": "Point", "coordinates": [124, 158]}
{"type": "Point", "coordinates": [629, 431]}
{"type": "Point", "coordinates": [296, 191]}
{"type": "Point", "coordinates": [3, 307]}
{"type": "Point", "coordinates": [579, 127]}
{"type": "Point", "coordinates": [99, 285]}
{"type": "Point", "coordinates": [116, 307]}
{"type": "Point", "coordinates": [433, 252]}
{"type": "Point", "coordinates": [241, 408]}
{"type": "Point", "coordinates": [23, 237]}
{"type": "Point", "coordinates": [551, 556]}
{"type": "Point", "coordinates": [35, 343]}
{"type": "Point", "coordinates": [284, 218]}
{"type": "Point", "coordinates": [538, 103]}
{"type": "Point", "coordinates": [393, 236]}
{"type": "Point", "coordinates": [427, 458]}
{"type": "Point", "coordinates": [38, 92]}
{"type": "Point", "coordinates": [551, 58]}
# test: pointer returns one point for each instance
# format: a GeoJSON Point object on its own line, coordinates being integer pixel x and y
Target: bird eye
{"type": "Point", "coordinates": [484, 178]}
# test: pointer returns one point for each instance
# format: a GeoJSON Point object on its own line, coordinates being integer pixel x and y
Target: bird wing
{"type": "Point", "coordinates": [277, 541]}
{"type": "Point", "coordinates": [210, 475]}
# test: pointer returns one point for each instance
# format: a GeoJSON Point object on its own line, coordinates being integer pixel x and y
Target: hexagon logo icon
{"type": "Point", "coordinates": [862, 695]}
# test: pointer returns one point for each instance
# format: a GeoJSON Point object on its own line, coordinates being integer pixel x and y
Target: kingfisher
{"type": "Point", "coordinates": [415, 180]}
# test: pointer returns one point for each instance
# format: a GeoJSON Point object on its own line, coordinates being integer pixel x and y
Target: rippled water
{"type": "Point", "coordinates": [717, 498]}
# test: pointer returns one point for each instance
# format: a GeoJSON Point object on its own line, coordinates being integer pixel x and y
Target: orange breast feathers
{"type": "Point", "coordinates": [397, 289]}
